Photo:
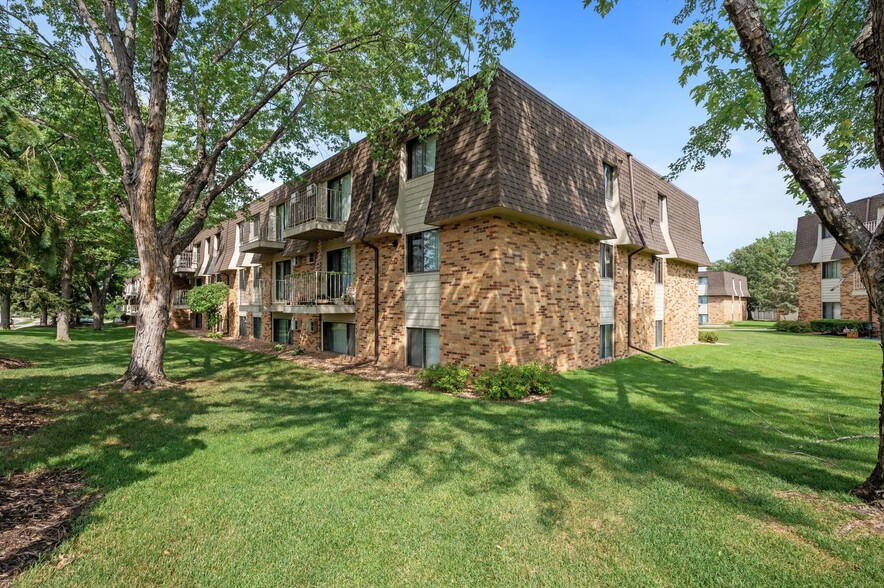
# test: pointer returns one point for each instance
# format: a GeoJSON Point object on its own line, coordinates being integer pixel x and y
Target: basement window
{"type": "Point", "coordinates": [832, 310]}
{"type": "Point", "coordinates": [422, 347]}
{"type": "Point", "coordinates": [606, 342]}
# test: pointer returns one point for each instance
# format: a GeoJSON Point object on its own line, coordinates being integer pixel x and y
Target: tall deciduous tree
{"type": "Point", "coordinates": [772, 283]}
{"type": "Point", "coordinates": [202, 95]}
{"type": "Point", "coordinates": [797, 72]}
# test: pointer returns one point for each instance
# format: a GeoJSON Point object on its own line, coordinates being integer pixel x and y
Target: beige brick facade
{"type": "Point", "coordinates": [722, 309]}
{"type": "Point", "coordinates": [810, 305]}
{"type": "Point", "coordinates": [680, 324]}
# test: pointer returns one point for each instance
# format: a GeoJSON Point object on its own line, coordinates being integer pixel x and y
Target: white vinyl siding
{"type": "Point", "coordinates": [659, 302]}
{"type": "Point", "coordinates": [421, 289]}
{"type": "Point", "coordinates": [422, 301]}
{"type": "Point", "coordinates": [606, 301]}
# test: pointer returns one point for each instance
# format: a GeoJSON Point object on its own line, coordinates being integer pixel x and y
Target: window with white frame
{"type": "Point", "coordinates": [422, 347]}
{"type": "Point", "coordinates": [606, 267]}
{"type": "Point", "coordinates": [606, 341]}
{"type": "Point", "coordinates": [610, 180]}
{"type": "Point", "coordinates": [831, 270]}
{"type": "Point", "coordinates": [421, 157]}
{"type": "Point", "coordinates": [832, 310]}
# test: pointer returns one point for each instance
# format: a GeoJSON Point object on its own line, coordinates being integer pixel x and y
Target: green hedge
{"type": "Point", "coordinates": [708, 336]}
{"type": "Point", "coordinates": [515, 381]}
{"type": "Point", "coordinates": [836, 327]}
{"type": "Point", "coordinates": [451, 378]}
{"type": "Point", "coordinates": [793, 326]}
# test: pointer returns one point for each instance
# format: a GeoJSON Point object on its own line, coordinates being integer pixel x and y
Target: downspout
{"type": "Point", "coordinates": [641, 236]}
{"type": "Point", "coordinates": [377, 261]}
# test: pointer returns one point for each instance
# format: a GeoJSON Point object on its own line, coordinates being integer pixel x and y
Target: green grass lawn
{"type": "Point", "coordinates": [261, 473]}
{"type": "Point", "coordinates": [756, 324]}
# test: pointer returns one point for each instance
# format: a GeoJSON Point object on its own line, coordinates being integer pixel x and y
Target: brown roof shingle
{"type": "Point", "coordinates": [725, 284]}
{"type": "Point", "coordinates": [866, 209]}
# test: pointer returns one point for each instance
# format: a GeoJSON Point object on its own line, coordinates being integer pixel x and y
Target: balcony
{"type": "Point", "coordinates": [858, 287]}
{"type": "Point", "coordinates": [130, 309]}
{"type": "Point", "coordinates": [318, 214]}
{"type": "Point", "coordinates": [261, 237]}
{"type": "Point", "coordinates": [179, 299]}
{"type": "Point", "coordinates": [185, 263]}
{"type": "Point", "coordinates": [317, 293]}
{"type": "Point", "coordinates": [132, 289]}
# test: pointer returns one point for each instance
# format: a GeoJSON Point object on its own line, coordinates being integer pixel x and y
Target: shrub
{"type": "Point", "coordinates": [836, 327]}
{"type": "Point", "coordinates": [515, 381]}
{"type": "Point", "coordinates": [708, 336]}
{"type": "Point", "coordinates": [297, 351]}
{"type": "Point", "coordinates": [792, 326]}
{"type": "Point", "coordinates": [451, 378]}
{"type": "Point", "coordinates": [279, 347]}
{"type": "Point", "coordinates": [214, 335]}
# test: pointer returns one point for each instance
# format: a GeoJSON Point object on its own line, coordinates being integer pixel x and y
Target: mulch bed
{"type": "Point", "coordinates": [9, 363]}
{"type": "Point", "coordinates": [36, 513]}
{"type": "Point", "coordinates": [21, 418]}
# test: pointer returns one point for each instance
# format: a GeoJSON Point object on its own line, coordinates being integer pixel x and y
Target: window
{"type": "Point", "coordinates": [296, 325]}
{"type": "Point", "coordinates": [421, 157]}
{"type": "Point", "coordinates": [703, 281]}
{"type": "Point", "coordinates": [282, 331]}
{"type": "Point", "coordinates": [704, 318]}
{"type": "Point", "coordinates": [243, 282]}
{"type": "Point", "coordinates": [658, 270]}
{"type": "Point", "coordinates": [661, 207]}
{"type": "Point", "coordinates": [256, 327]}
{"type": "Point", "coordinates": [606, 342]}
{"type": "Point", "coordinates": [283, 270]}
{"type": "Point", "coordinates": [256, 284]}
{"type": "Point", "coordinates": [606, 268]}
{"type": "Point", "coordinates": [197, 321]}
{"type": "Point", "coordinates": [339, 198]}
{"type": "Point", "coordinates": [281, 221]}
{"type": "Point", "coordinates": [339, 338]}
{"type": "Point", "coordinates": [825, 232]}
{"type": "Point", "coordinates": [831, 270]}
{"type": "Point", "coordinates": [831, 310]}
{"type": "Point", "coordinates": [423, 252]}
{"type": "Point", "coordinates": [243, 327]}
{"type": "Point", "coordinates": [215, 243]}
{"type": "Point", "coordinates": [422, 347]}
{"type": "Point", "coordinates": [311, 258]}
{"type": "Point", "coordinates": [703, 299]}
{"type": "Point", "coordinates": [658, 328]}
{"type": "Point", "coordinates": [610, 178]}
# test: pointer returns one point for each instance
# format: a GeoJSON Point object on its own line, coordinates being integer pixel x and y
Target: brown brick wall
{"type": "Point", "coordinates": [680, 321]}
{"type": "Point", "coordinates": [809, 294]}
{"type": "Point", "coordinates": [392, 301]}
{"type": "Point", "coordinates": [515, 292]}
{"type": "Point", "coordinates": [722, 309]}
{"type": "Point", "coordinates": [643, 289]}
{"type": "Point", "coordinates": [854, 307]}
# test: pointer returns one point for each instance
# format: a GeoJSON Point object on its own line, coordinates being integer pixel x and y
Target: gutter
{"type": "Point", "coordinates": [377, 261]}
{"type": "Point", "coordinates": [641, 236]}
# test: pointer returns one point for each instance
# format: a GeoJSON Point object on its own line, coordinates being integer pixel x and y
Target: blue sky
{"type": "Point", "coordinates": [613, 74]}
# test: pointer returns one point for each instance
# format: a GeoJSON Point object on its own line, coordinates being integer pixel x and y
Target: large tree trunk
{"type": "Point", "coordinates": [63, 322]}
{"type": "Point", "coordinates": [97, 301]}
{"type": "Point", "coordinates": [5, 311]}
{"type": "Point", "coordinates": [784, 129]}
{"type": "Point", "coordinates": [149, 346]}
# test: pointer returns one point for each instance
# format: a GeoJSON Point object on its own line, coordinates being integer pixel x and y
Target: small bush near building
{"type": "Point", "coordinates": [836, 327]}
{"type": "Point", "coordinates": [279, 347]}
{"type": "Point", "coordinates": [214, 335]}
{"type": "Point", "coordinates": [793, 326]}
{"type": "Point", "coordinates": [451, 378]}
{"type": "Point", "coordinates": [515, 381]}
{"type": "Point", "coordinates": [708, 336]}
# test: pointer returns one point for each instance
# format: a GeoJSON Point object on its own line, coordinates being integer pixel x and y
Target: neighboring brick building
{"type": "Point", "coordinates": [826, 286]}
{"type": "Point", "coordinates": [508, 241]}
{"type": "Point", "coordinates": [722, 297]}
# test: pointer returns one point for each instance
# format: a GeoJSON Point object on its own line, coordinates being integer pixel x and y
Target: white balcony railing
{"type": "Point", "coordinates": [858, 282]}
{"type": "Point", "coordinates": [244, 297]}
{"type": "Point", "coordinates": [309, 288]}
{"type": "Point", "coordinates": [179, 298]}
{"type": "Point", "coordinates": [132, 288]}
{"type": "Point", "coordinates": [185, 261]}
{"type": "Point", "coordinates": [261, 231]}
{"type": "Point", "coordinates": [318, 204]}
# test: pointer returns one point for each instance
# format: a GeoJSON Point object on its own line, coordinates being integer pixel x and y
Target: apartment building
{"type": "Point", "coordinates": [722, 297]}
{"type": "Point", "coordinates": [828, 287]}
{"type": "Point", "coordinates": [531, 237]}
